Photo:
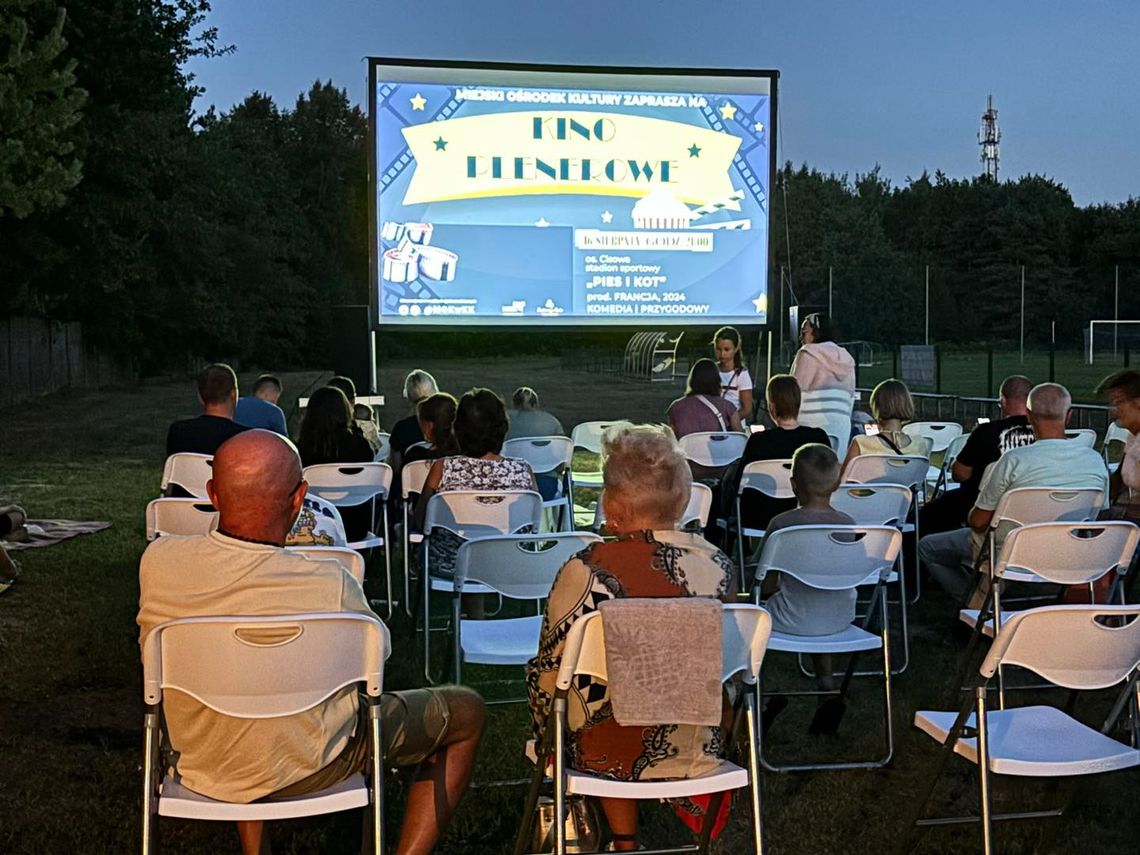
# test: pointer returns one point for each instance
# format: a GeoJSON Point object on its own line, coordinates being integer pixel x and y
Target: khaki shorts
{"type": "Point", "coordinates": [413, 725]}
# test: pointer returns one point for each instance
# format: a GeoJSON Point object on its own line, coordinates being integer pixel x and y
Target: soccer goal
{"type": "Point", "coordinates": [1106, 340]}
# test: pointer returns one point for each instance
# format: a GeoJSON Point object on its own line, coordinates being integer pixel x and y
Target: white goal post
{"type": "Point", "coordinates": [1115, 331]}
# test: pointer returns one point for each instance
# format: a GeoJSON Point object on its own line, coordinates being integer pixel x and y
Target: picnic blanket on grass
{"type": "Point", "coordinates": [50, 532]}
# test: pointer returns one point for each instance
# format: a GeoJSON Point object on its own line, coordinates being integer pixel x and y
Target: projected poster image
{"type": "Point", "coordinates": [500, 203]}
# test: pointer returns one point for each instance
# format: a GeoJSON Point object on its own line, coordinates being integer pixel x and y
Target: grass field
{"type": "Point", "coordinates": [71, 712]}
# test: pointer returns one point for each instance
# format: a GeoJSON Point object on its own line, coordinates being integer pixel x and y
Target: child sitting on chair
{"type": "Point", "coordinates": [799, 609]}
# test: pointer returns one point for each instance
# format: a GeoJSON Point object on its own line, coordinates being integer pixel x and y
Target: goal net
{"type": "Point", "coordinates": [1107, 341]}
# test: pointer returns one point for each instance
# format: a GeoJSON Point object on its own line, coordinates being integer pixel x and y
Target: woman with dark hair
{"type": "Point", "coordinates": [735, 381]}
{"type": "Point", "coordinates": [702, 408]}
{"type": "Point", "coordinates": [480, 429]}
{"type": "Point", "coordinates": [436, 416]}
{"type": "Point", "coordinates": [820, 363]}
{"type": "Point", "coordinates": [327, 437]}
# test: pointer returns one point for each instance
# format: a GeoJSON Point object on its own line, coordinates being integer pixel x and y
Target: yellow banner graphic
{"type": "Point", "coordinates": [607, 154]}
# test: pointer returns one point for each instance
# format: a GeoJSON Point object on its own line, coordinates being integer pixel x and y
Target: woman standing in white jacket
{"type": "Point", "coordinates": [820, 363]}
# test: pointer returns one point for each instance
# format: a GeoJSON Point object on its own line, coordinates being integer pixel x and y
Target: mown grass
{"type": "Point", "coordinates": [70, 705]}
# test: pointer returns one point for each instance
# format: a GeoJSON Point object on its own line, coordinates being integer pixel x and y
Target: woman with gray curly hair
{"type": "Point", "coordinates": [646, 483]}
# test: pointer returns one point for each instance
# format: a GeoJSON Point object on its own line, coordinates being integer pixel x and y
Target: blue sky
{"type": "Point", "coordinates": [901, 84]}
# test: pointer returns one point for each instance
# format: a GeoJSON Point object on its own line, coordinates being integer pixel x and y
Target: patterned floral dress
{"type": "Point", "coordinates": [644, 564]}
{"type": "Point", "coordinates": [472, 473]}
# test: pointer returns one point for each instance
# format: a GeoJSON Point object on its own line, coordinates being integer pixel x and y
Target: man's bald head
{"type": "Point", "coordinates": [255, 485]}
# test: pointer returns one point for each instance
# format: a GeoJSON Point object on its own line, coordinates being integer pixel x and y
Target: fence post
{"type": "Point", "coordinates": [989, 372]}
{"type": "Point", "coordinates": [937, 370]}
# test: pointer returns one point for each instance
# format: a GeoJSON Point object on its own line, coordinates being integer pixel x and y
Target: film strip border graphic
{"type": "Point", "coordinates": [747, 173]}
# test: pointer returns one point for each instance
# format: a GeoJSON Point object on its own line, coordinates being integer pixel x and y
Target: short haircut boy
{"type": "Point", "coordinates": [815, 469]}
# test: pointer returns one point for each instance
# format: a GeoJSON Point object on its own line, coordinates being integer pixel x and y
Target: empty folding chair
{"type": "Point", "coordinates": [939, 433]}
{"type": "Point", "coordinates": [551, 456]}
{"type": "Point", "coordinates": [713, 449]}
{"type": "Point", "coordinates": [881, 504]}
{"type": "Point", "coordinates": [1085, 436]}
{"type": "Point", "coordinates": [907, 469]}
{"type": "Point", "coordinates": [944, 480]}
{"type": "Point", "coordinates": [188, 472]}
{"type": "Point", "coordinates": [179, 516]}
{"type": "Point", "coordinates": [1074, 647]}
{"type": "Point", "coordinates": [836, 558]}
{"type": "Point", "coordinates": [516, 567]}
{"type": "Point", "coordinates": [261, 668]}
{"type": "Point", "coordinates": [588, 437]}
{"type": "Point", "coordinates": [744, 637]}
{"type": "Point", "coordinates": [412, 478]}
{"type": "Point", "coordinates": [349, 485]}
{"type": "Point", "coordinates": [1115, 438]}
{"type": "Point", "coordinates": [470, 514]}
{"type": "Point", "coordinates": [350, 559]}
{"type": "Point", "coordinates": [771, 478]}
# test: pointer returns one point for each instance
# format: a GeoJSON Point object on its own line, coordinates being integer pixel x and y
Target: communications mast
{"type": "Point", "coordinates": [988, 138]}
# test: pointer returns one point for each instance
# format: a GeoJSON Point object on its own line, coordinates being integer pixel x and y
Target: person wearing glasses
{"type": "Point", "coordinates": [820, 363]}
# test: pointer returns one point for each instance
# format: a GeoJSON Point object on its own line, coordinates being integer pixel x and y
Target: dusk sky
{"type": "Point", "coordinates": [894, 82]}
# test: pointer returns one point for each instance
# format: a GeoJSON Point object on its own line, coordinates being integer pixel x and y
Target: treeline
{"type": "Point", "coordinates": [171, 234]}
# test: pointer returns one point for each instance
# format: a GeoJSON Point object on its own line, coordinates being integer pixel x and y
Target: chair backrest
{"type": "Point", "coordinates": [1069, 553]}
{"type": "Point", "coordinates": [264, 667]}
{"type": "Point", "coordinates": [349, 483]}
{"type": "Point", "coordinates": [954, 449]}
{"type": "Point", "coordinates": [1115, 434]}
{"type": "Point", "coordinates": [907, 469]}
{"type": "Point", "coordinates": [873, 504]}
{"type": "Point", "coordinates": [830, 410]}
{"type": "Point", "coordinates": [482, 513]}
{"type": "Point", "coordinates": [412, 477]}
{"type": "Point", "coordinates": [1077, 647]}
{"type": "Point", "coordinates": [588, 435]}
{"type": "Point", "coordinates": [1085, 436]}
{"type": "Point", "coordinates": [544, 453]}
{"type": "Point", "coordinates": [385, 449]}
{"type": "Point", "coordinates": [188, 471]}
{"type": "Point", "coordinates": [350, 559]}
{"type": "Point", "coordinates": [770, 477]}
{"type": "Point", "coordinates": [521, 567]}
{"type": "Point", "coordinates": [939, 433]}
{"type": "Point", "coordinates": [744, 639]}
{"type": "Point", "coordinates": [830, 557]}
{"type": "Point", "coordinates": [696, 511]}
{"type": "Point", "coordinates": [179, 516]}
{"type": "Point", "coordinates": [713, 448]}
{"type": "Point", "coordinates": [1024, 505]}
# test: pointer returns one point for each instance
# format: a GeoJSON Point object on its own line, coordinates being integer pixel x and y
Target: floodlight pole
{"type": "Point", "coordinates": [1115, 311]}
{"type": "Point", "coordinates": [830, 310]}
{"type": "Point", "coordinates": [927, 304]}
{"type": "Point", "coordinates": [1023, 314]}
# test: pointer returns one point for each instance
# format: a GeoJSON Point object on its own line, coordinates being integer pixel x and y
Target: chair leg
{"type": "Point", "coordinates": [425, 590]}
{"type": "Point", "coordinates": [150, 787]}
{"type": "Point", "coordinates": [754, 771]}
{"type": "Point", "coordinates": [387, 558]}
{"type": "Point", "coordinates": [559, 776]}
{"type": "Point", "coordinates": [377, 784]}
{"type": "Point", "coordinates": [887, 705]}
{"type": "Point", "coordinates": [456, 616]}
{"type": "Point", "coordinates": [984, 769]}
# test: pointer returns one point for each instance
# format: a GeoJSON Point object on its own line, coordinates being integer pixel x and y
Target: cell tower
{"type": "Point", "coordinates": [988, 138]}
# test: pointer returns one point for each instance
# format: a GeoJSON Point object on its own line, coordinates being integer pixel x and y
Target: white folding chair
{"type": "Point", "coordinates": [881, 504]}
{"type": "Point", "coordinates": [1113, 437]}
{"type": "Point", "coordinates": [385, 450]}
{"type": "Point", "coordinates": [944, 480]}
{"type": "Point", "coordinates": [273, 667]}
{"type": "Point", "coordinates": [1055, 553]}
{"type": "Point", "coordinates": [744, 638]}
{"type": "Point", "coordinates": [188, 471]}
{"type": "Point", "coordinates": [350, 559]}
{"type": "Point", "coordinates": [553, 456]}
{"type": "Point", "coordinates": [1085, 436]}
{"type": "Point", "coordinates": [695, 515]}
{"type": "Point", "coordinates": [836, 558]}
{"type": "Point", "coordinates": [1087, 647]}
{"type": "Point", "coordinates": [179, 516]}
{"type": "Point", "coordinates": [516, 567]}
{"type": "Point", "coordinates": [910, 470]}
{"type": "Point", "coordinates": [412, 478]}
{"type": "Point", "coordinates": [830, 410]}
{"type": "Point", "coordinates": [587, 436]}
{"type": "Point", "coordinates": [349, 485]}
{"type": "Point", "coordinates": [713, 449]}
{"type": "Point", "coordinates": [471, 514]}
{"type": "Point", "coordinates": [771, 478]}
{"type": "Point", "coordinates": [939, 433]}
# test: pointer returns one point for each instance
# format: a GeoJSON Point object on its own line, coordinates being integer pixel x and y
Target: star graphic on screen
{"type": "Point", "coordinates": [541, 222]}
{"type": "Point", "coordinates": [440, 144]}
{"type": "Point", "coordinates": [418, 101]}
{"type": "Point", "coordinates": [758, 127]}
{"type": "Point", "coordinates": [727, 111]}
{"type": "Point", "coordinates": [607, 217]}
{"type": "Point", "coordinates": [694, 150]}
{"type": "Point", "coordinates": [761, 304]}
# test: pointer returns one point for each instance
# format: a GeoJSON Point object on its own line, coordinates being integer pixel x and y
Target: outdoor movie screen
{"type": "Point", "coordinates": [523, 195]}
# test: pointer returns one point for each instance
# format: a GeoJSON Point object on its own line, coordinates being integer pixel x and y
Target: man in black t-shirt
{"type": "Point", "coordinates": [986, 444]}
{"type": "Point", "coordinates": [218, 394]}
